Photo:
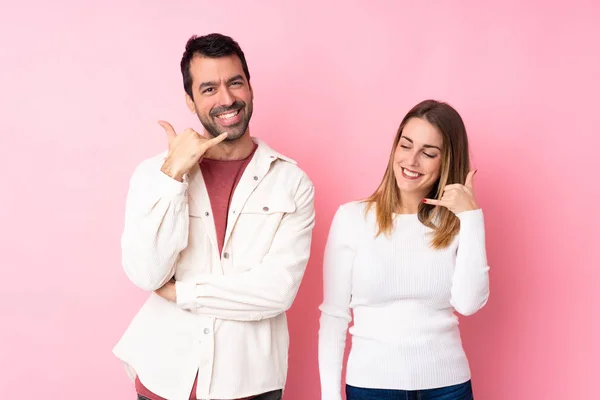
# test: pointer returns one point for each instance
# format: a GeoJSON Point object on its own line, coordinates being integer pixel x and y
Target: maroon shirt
{"type": "Point", "coordinates": [221, 178]}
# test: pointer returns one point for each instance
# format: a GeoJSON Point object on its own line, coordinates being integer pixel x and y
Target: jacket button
{"type": "Point", "coordinates": [206, 213]}
{"type": "Point", "coordinates": [256, 178]}
{"type": "Point", "coordinates": [265, 208]}
{"type": "Point", "coordinates": [225, 255]}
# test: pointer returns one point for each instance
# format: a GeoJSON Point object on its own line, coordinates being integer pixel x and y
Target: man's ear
{"type": "Point", "coordinates": [190, 103]}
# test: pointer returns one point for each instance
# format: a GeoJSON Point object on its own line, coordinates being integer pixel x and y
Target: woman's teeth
{"type": "Point", "coordinates": [410, 173]}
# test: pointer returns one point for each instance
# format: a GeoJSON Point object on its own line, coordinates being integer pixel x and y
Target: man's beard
{"type": "Point", "coordinates": [234, 132]}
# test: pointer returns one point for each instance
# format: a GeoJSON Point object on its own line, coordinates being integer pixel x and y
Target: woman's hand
{"type": "Point", "coordinates": [456, 197]}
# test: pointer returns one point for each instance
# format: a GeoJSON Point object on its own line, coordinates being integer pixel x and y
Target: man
{"type": "Point", "coordinates": [219, 230]}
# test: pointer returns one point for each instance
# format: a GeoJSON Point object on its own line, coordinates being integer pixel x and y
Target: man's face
{"type": "Point", "coordinates": [222, 95]}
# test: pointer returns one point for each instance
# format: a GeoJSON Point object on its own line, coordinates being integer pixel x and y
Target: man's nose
{"type": "Point", "coordinates": [225, 97]}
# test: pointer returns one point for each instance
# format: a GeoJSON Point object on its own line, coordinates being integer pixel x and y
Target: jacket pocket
{"type": "Point", "coordinates": [257, 226]}
{"type": "Point", "coordinates": [269, 206]}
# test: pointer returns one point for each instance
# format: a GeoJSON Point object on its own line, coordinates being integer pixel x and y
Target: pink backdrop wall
{"type": "Point", "coordinates": [83, 86]}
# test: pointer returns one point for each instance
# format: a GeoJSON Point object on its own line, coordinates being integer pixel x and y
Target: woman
{"type": "Point", "coordinates": [404, 260]}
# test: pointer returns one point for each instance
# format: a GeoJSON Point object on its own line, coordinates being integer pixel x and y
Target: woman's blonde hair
{"type": "Point", "coordinates": [454, 169]}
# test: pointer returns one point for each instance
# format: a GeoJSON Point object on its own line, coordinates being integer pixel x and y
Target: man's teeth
{"type": "Point", "coordinates": [410, 173]}
{"type": "Point", "coordinates": [228, 116]}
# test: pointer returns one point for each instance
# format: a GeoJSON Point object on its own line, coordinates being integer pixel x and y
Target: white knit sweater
{"type": "Point", "coordinates": [403, 295]}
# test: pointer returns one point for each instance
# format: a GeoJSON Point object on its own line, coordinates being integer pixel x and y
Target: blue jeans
{"type": "Point", "coordinates": [274, 395]}
{"type": "Point", "coordinates": [461, 391]}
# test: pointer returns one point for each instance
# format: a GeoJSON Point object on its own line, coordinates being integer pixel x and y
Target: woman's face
{"type": "Point", "coordinates": [418, 157]}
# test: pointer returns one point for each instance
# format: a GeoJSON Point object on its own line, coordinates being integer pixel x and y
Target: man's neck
{"type": "Point", "coordinates": [227, 150]}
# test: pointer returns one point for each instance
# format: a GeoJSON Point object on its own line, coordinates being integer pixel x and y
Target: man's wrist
{"type": "Point", "coordinates": [185, 295]}
{"type": "Point", "coordinates": [167, 169]}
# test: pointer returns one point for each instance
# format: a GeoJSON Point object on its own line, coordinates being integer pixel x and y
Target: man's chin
{"type": "Point", "coordinates": [233, 136]}
{"type": "Point", "coordinates": [234, 132]}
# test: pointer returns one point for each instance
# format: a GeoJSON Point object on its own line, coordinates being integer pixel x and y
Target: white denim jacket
{"type": "Point", "coordinates": [229, 323]}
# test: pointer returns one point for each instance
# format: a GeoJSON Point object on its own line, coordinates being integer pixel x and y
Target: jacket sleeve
{"type": "Point", "coordinates": [156, 225]}
{"type": "Point", "coordinates": [267, 289]}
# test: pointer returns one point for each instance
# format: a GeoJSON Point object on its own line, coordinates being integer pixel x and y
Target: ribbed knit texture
{"type": "Point", "coordinates": [403, 295]}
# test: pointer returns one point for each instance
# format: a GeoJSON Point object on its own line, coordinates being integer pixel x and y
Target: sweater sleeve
{"type": "Point", "coordinates": [156, 225]}
{"type": "Point", "coordinates": [335, 308]}
{"type": "Point", "coordinates": [470, 282]}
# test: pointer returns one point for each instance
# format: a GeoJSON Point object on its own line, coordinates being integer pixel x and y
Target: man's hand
{"type": "Point", "coordinates": [185, 150]}
{"type": "Point", "coordinates": [457, 198]}
{"type": "Point", "coordinates": [167, 291]}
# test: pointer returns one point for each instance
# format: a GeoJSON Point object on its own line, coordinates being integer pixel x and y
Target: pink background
{"type": "Point", "coordinates": [83, 86]}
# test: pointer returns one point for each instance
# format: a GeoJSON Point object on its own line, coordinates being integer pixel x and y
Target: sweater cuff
{"type": "Point", "coordinates": [471, 216]}
{"type": "Point", "coordinates": [185, 293]}
{"type": "Point", "coordinates": [472, 233]}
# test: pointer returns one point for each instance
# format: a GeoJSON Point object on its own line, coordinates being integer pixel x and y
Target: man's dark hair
{"type": "Point", "coordinates": [213, 45]}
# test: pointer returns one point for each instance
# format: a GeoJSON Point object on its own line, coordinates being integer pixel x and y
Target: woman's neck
{"type": "Point", "coordinates": [409, 203]}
